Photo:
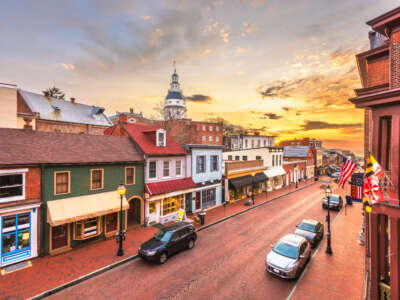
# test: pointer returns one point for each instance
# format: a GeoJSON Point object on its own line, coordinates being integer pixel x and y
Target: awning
{"type": "Point", "coordinates": [163, 187]}
{"type": "Point", "coordinates": [247, 180]}
{"type": "Point", "coordinates": [275, 172]}
{"type": "Point", "coordinates": [79, 208]}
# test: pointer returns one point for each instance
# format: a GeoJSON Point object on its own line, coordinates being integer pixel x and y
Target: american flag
{"type": "Point", "coordinates": [346, 169]}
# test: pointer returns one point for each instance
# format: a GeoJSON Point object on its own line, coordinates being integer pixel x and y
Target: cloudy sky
{"type": "Point", "coordinates": [284, 67]}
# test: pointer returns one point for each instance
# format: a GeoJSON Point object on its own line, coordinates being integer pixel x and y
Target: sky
{"type": "Point", "coordinates": [285, 68]}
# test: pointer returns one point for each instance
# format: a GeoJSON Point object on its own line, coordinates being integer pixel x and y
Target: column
{"type": "Point", "coordinates": [374, 255]}
{"type": "Point", "coordinates": [394, 258]}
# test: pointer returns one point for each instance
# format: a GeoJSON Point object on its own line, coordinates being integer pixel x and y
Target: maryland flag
{"type": "Point", "coordinates": [373, 168]}
{"type": "Point", "coordinates": [366, 205]}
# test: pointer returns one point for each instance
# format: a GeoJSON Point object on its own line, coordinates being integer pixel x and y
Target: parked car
{"type": "Point", "coordinates": [289, 256]}
{"type": "Point", "coordinates": [311, 230]}
{"type": "Point", "coordinates": [336, 176]}
{"type": "Point", "coordinates": [168, 241]}
{"type": "Point", "coordinates": [335, 202]}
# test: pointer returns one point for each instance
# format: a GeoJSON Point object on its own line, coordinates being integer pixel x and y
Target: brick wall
{"type": "Point", "coordinates": [51, 126]}
{"type": "Point", "coordinates": [395, 59]}
{"type": "Point", "coordinates": [378, 71]}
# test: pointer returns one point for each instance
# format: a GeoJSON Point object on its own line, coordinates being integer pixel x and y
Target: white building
{"type": "Point", "coordinates": [247, 141]}
{"type": "Point", "coordinates": [174, 104]}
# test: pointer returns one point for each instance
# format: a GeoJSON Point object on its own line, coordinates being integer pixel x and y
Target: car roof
{"type": "Point", "coordinates": [176, 226]}
{"type": "Point", "coordinates": [293, 239]}
{"type": "Point", "coordinates": [310, 221]}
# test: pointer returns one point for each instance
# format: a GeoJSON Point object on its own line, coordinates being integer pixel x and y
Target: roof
{"type": "Point", "coordinates": [140, 134]}
{"type": "Point", "coordinates": [163, 187]}
{"type": "Point", "coordinates": [65, 111]}
{"type": "Point", "coordinates": [176, 226]}
{"type": "Point", "coordinates": [204, 146]}
{"type": "Point", "coordinates": [20, 146]}
{"type": "Point", "coordinates": [293, 239]}
{"type": "Point", "coordinates": [295, 151]}
{"type": "Point", "coordinates": [174, 95]}
{"type": "Point", "coordinates": [379, 23]}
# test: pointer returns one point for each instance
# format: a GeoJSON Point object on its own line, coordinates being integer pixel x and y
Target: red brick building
{"type": "Point", "coordinates": [379, 70]}
{"type": "Point", "coordinates": [293, 168]}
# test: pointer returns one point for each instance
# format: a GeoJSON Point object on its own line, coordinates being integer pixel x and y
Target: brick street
{"type": "Point", "coordinates": [228, 260]}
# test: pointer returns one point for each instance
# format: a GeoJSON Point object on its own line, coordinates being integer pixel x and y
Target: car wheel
{"type": "Point", "coordinates": [190, 244]}
{"type": "Point", "coordinates": [163, 258]}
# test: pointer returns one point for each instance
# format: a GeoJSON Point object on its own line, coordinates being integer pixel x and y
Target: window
{"type": "Point", "coordinates": [273, 160]}
{"type": "Point", "coordinates": [152, 207]}
{"type": "Point", "coordinates": [265, 143]}
{"type": "Point", "coordinates": [217, 138]}
{"type": "Point", "coordinates": [203, 138]}
{"type": "Point", "coordinates": [214, 163]}
{"type": "Point", "coordinates": [252, 143]}
{"type": "Point", "coordinates": [152, 169]}
{"type": "Point", "coordinates": [201, 164]}
{"type": "Point", "coordinates": [161, 138]}
{"type": "Point", "coordinates": [229, 157]}
{"type": "Point", "coordinates": [258, 157]}
{"type": "Point", "coordinates": [178, 166]}
{"type": "Point", "coordinates": [15, 235]}
{"type": "Point", "coordinates": [172, 204]}
{"type": "Point", "coordinates": [166, 168]}
{"type": "Point", "coordinates": [204, 127]}
{"type": "Point", "coordinates": [111, 222]}
{"type": "Point", "coordinates": [208, 198]}
{"type": "Point", "coordinates": [237, 157]}
{"type": "Point", "coordinates": [244, 157]}
{"type": "Point", "coordinates": [211, 128]}
{"type": "Point", "coordinates": [12, 186]}
{"type": "Point", "coordinates": [280, 160]}
{"type": "Point", "coordinates": [62, 183]}
{"type": "Point", "coordinates": [87, 228]}
{"type": "Point", "coordinates": [129, 175]}
{"type": "Point", "coordinates": [96, 179]}
{"type": "Point", "coordinates": [258, 143]}
{"type": "Point", "coordinates": [217, 128]}
{"type": "Point", "coordinates": [246, 143]}
{"type": "Point", "coordinates": [210, 138]}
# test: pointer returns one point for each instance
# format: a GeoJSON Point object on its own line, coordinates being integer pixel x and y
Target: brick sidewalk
{"type": "Point", "coordinates": [52, 271]}
{"type": "Point", "coordinates": [341, 275]}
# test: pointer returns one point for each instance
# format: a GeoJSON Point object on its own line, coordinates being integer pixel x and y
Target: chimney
{"type": "Point", "coordinates": [123, 119]}
{"type": "Point", "coordinates": [27, 124]}
{"type": "Point", "coordinates": [72, 100]}
{"type": "Point", "coordinates": [131, 110]}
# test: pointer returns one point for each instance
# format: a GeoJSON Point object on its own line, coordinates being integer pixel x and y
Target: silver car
{"type": "Point", "coordinates": [289, 256]}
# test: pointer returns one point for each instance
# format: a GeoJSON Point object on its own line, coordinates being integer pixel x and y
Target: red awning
{"type": "Point", "coordinates": [164, 187]}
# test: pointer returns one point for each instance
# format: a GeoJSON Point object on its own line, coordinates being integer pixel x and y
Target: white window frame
{"type": "Point", "coordinates": [169, 169]}
{"type": "Point", "coordinates": [210, 138]}
{"type": "Point", "coordinates": [155, 162]}
{"type": "Point", "coordinates": [210, 128]}
{"type": "Point", "coordinates": [216, 128]}
{"type": "Point", "coordinates": [162, 143]}
{"type": "Point", "coordinates": [204, 127]}
{"type": "Point", "coordinates": [203, 138]}
{"type": "Point", "coordinates": [15, 172]}
{"type": "Point", "coordinates": [217, 138]}
{"type": "Point", "coordinates": [178, 162]}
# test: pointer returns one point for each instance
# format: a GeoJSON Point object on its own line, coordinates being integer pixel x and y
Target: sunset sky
{"type": "Point", "coordinates": [284, 67]}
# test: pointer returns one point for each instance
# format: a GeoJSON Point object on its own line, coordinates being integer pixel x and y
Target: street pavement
{"type": "Point", "coordinates": [228, 260]}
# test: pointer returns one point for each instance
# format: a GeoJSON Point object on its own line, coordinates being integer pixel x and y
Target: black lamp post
{"type": "Point", "coordinates": [252, 186]}
{"type": "Point", "coordinates": [328, 193]}
{"type": "Point", "coordinates": [121, 191]}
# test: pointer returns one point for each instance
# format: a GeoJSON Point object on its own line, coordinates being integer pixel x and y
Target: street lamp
{"type": "Point", "coordinates": [252, 185]}
{"type": "Point", "coordinates": [121, 191]}
{"type": "Point", "coordinates": [328, 193]}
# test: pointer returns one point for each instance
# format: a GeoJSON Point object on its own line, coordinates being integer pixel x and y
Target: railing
{"type": "Point", "coordinates": [384, 291]}
{"type": "Point", "coordinates": [389, 189]}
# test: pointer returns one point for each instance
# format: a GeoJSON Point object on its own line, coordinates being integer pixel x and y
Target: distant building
{"type": "Point", "coordinates": [302, 142]}
{"type": "Point", "coordinates": [131, 117]}
{"type": "Point", "coordinates": [239, 141]}
{"type": "Point", "coordinates": [295, 153]}
{"type": "Point", "coordinates": [43, 113]}
{"type": "Point", "coordinates": [174, 103]}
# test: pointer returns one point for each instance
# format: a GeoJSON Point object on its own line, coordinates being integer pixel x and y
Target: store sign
{"type": "Point", "coordinates": [181, 212]}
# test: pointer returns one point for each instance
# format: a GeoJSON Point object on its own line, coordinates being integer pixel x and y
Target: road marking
{"type": "Point", "coordinates": [309, 263]}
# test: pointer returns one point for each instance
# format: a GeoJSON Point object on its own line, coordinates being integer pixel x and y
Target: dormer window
{"type": "Point", "coordinates": [161, 138]}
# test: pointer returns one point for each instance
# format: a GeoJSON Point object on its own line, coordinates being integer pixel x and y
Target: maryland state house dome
{"type": "Point", "coordinates": [174, 104]}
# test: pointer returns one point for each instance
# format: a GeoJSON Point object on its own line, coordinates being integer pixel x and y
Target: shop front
{"type": "Point", "coordinates": [275, 178]}
{"type": "Point", "coordinates": [73, 221]}
{"type": "Point", "coordinates": [241, 187]}
{"type": "Point", "coordinates": [207, 196]}
{"type": "Point", "coordinates": [19, 230]}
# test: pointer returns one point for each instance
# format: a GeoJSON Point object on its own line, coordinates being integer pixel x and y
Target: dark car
{"type": "Point", "coordinates": [335, 202]}
{"type": "Point", "coordinates": [168, 241]}
{"type": "Point", "coordinates": [311, 230]}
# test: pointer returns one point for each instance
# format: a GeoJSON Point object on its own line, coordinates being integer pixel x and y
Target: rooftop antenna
{"type": "Point", "coordinates": [174, 66]}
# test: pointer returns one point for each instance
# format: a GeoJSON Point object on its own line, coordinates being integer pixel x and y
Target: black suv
{"type": "Point", "coordinates": [167, 241]}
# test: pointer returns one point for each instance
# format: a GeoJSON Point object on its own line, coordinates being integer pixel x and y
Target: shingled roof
{"type": "Point", "coordinates": [295, 151]}
{"type": "Point", "coordinates": [20, 146]}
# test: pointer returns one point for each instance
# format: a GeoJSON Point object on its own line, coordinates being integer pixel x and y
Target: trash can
{"type": "Point", "coordinates": [348, 200]}
{"type": "Point", "coordinates": [202, 216]}
{"type": "Point", "coordinates": [316, 178]}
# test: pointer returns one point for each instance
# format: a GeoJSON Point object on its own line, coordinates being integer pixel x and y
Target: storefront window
{"type": "Point", "coordinates": [208, 198]}
{"type": "Point", "coordinates": [111, 222]}
{"type": "Point", "coordinates": [152, 207]}
{"type": "Point", "coordinates": [172, 204]}
{"type": "Point", "coordinates": [87, 228]}
{"type": "Point", "coordinates": [15, 234]}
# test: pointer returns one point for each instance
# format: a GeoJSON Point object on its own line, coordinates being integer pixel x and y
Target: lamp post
{"type": "Point", "coordinates": [252, 186]}
{"type": "Point", "coordinates": [328, 193]}
{"type": "Point", "coordinates": [121, 191]}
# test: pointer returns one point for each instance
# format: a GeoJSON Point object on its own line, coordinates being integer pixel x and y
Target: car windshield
{"type": "Point", "coordinates": [286, 249]}
{"type": "Point", "coordinates": [163, 236]}
{"type": "Point", "coordinates": [334, 198]}
{"type": "Point", "coordinates": [306, 227]}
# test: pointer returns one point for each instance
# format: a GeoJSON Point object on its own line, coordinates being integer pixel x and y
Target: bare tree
{"type": "Point", "coordinates": [54, 92]}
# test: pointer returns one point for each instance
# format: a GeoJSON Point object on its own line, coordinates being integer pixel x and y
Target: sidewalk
{"type": "Point", "coordinates": [51, 271]}
{"type": "Point", "coordinates": [340, 275]}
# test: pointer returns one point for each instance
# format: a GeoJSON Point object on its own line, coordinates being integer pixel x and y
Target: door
{"type": "Point", "coordinates": [188, 203]}
{"type": "Point", "coordinates": [174, 243]}
{"type": "Point", "coordinates": [132, 213]}
{"type": "Point", "coordinates": [59, 236]}
{"type": "Point", "coordinates": [198, 196]}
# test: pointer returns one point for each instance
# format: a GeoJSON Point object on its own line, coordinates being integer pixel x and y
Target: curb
{"type": "Point", "coordinates": [132, 257]}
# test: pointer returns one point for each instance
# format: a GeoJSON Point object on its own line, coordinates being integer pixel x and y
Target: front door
{"type": "Point", "coordinates": [198, 196]}
{"type": "Point", "coordinates": [188, 203]}
{"type": "Point", "coordinates": [59, 236]}
{"type": "Point", "coordinates": [132, 213]}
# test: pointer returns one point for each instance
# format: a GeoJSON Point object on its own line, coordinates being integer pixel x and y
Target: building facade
{"type": "Point", "coordinates": [238, 141]}
{"type": "Point", "coordinates": [295, 153]}
{"type": "Point", "coordinates": [379, 96]}
{"type": "Point", "coordinates": [206, 164]}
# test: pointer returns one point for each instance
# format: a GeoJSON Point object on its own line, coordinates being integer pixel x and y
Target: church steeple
{"type": "Point", "coordinates": [174, 104]}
